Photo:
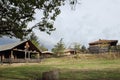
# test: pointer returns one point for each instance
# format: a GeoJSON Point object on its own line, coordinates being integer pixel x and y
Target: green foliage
{"type": "Point", "coordinates": [77, 47]}
{"type": "Point", "coordinates": [59, 47]}
{"type": "Point", "coordinates": [43, 48]}
{"type": "Point", "coordinates": [34, 39]}
{"type": "Point", "coordinates": [83, 49]}
{"type": "Point", "coordinates": [73, 4]}
{"type": "Point", "coordinates": [118, 47]}
{"type": "Point", "coordinates": [15, 15]}
{"type": "Point", "coordinates": [70, 69]}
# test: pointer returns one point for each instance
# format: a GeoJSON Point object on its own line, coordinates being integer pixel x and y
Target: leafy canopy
{"type": "Point", "coordinates": [15, 15]}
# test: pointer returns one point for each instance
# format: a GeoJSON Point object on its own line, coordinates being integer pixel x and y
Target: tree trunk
{"type": "Point", "coordinates": [51, 75]}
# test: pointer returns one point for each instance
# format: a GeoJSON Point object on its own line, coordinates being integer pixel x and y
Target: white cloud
{"type": "Point", "coordinates": [92, 20]}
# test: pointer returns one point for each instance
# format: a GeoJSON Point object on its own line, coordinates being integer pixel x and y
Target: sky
{"type": "Point", "coordinates": [91, 20]}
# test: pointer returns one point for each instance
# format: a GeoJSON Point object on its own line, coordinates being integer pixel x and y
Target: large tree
{"type": "Point", "coordinates": [15, 15]}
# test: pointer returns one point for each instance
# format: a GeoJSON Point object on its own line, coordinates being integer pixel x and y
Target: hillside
{"type": "Point", "coordinates": [70, 68]}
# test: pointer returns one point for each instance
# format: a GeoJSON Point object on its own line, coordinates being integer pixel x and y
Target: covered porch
{"type": "Point", "coordinates": [19, 56]}
{"type": "Point", "coordinates": [21, 53]}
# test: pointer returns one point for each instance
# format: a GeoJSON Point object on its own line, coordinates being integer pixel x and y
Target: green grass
{"type": "Point", "coordinates": [69, 68]}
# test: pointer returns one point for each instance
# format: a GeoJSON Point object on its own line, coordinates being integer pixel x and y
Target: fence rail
{"type": "Point", "coordinates": [20, 60]}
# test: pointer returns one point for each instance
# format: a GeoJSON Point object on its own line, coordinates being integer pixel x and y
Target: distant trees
{"type": "Point", "coordinates": [34, 39]}
{"type": "Point", "coordinates": [59, 47]}
{"type": "Point", "coordinates": [83, 49]}
{"type": "Point", "coordinates": [43, 48]}
{"type": "Point", "coordinates": [78, 47]}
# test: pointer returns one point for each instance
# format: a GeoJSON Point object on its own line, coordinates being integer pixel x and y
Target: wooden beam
{"type": "Point", "coordinates": [29, 55]}
{"type": "Point", "coordinates": [25, 54]}
{"type": "Point", "coordinates": [24, 51]}
{"type": "Point", "coordinates": [12, 56]}
{"type": "Point", "coordinates": [38, 55]}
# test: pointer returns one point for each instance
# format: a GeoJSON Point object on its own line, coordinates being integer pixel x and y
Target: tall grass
{"type": "Point", "coordinates": [108, 55]}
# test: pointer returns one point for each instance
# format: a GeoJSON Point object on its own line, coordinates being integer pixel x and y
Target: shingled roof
{"type": "Point", "coordinates": [16, 44]}
{"type": "Point", "coordinates": [103, 41]}
{"type": "Point", "coordinates": [10, 46]}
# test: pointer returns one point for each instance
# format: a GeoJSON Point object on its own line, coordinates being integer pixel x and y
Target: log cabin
{"type": "Point", "coordinates": [102, 46]}
{"type": "Point", "coordinates": [18, 52]}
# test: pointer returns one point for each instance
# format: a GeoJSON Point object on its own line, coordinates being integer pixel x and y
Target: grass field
{"type": "Point", "coordinates": [70, 69]}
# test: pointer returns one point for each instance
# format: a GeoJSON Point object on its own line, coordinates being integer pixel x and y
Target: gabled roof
{"type": "Point", "coordinates": [49, 52]}
{"type": "Point", "coordinates": [10, 46]}
{"type": "Point", "coordinates": [103, 41]}
{"type": "Point", "coordinates": [16, 44]}
{"type": "Point", "coordinates": [69, 49]}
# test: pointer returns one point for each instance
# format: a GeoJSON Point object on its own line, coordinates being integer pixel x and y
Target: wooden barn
{"type": "Point", "coordinates": [23, 51]}
{"type": "Point", "coordinates": [102, 46]}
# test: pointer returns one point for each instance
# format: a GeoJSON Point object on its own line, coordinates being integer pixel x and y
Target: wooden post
{"type": "Point", "coordinates": [26, 49]}
{"type": "Point", "coordinates": [29, 55]}
{"type": "Point", "coordinates": [12, 56]}
{"type": "Point", "coordinates": [0, 58]}
{"type": "Point", "coordinates": [51, 75]}
{"type": "Point", "coordinates": [38, 56]}
{"type": "Point", "coordinates": [25, 54]}
{"type": "Point", "coordinates": [3, 57]}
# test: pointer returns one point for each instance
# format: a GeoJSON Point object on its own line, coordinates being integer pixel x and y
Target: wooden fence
{"type": "Point", "coordinates": [20, 60]}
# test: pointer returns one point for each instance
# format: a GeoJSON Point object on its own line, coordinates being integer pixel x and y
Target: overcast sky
{"type": "Point", "coordinates": [90, 21]}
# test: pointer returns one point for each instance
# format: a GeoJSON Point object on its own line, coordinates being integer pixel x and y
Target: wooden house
{"type": "Point", "coordinates": [69, 51]}
{"type": "Point", "coordinates": [102, 46]}
{"type": "Point", "coordinates": [23, 51]}
{"type": "Point", "coordinates": [47, 54]}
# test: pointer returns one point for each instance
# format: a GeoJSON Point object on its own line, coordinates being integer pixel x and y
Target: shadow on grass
{"type": "Point", "coordinates": [109, 74]}
{"type": "Point", "coordinates": [22, 72]}
{"type": "Point", "coordinates": [30, 73]}
{"type": "Point", "coordinates": [70, 69]}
